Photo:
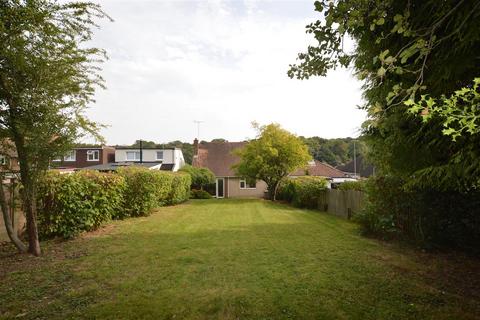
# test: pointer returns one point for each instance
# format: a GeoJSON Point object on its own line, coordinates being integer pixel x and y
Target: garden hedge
{"type": "Point", "coordinates": [303, 192]}
{"type": "Point", "coordinates": [72, 203]}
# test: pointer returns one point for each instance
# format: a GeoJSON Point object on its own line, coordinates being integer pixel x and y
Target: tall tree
{"type": "Point", "coordinates": [48, 76]}
{"type": "Point", "coordinates": [270, 157]}
{"type": "Point", "coordinates": [407, 51]}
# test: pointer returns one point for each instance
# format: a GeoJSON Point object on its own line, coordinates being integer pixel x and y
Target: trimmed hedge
{"type": "Point", "coordinates": [352, 185]}
{"type": "Point", "coordinates": [71, 203]}
{"type": "Point", "coordinates": [180, 188]}
{"type": "Point", "coordinates": [303, 192]}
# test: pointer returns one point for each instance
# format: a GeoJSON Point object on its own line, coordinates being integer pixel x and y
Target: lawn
{"type": "Point", "coordinates": [236, 259]}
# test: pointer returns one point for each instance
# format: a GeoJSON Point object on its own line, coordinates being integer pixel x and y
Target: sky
{"type": "Point", "coordinates": [221, 62]}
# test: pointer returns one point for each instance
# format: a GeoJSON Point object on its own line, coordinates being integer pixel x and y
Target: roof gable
{"type": "Point", "coordinates": [218, 157]}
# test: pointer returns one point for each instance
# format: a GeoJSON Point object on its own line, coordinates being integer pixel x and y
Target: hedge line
{"type": "Point", "coordinates": [72, 203]}
{"type": "Point", "coordinates": [303, 192]}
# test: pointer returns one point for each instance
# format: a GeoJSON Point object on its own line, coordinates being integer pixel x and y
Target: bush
{"type": "Point", "coordinates": [304, 192]}
{"type": "Point", "coordinates": [200, 194]}
{"type": "Point", "coordinates": [201, 177]}
{"type": "Point", "coordinates": [352, 185]}
{"type": "Point", "coordinates": [426, 217]}
{"type": "Point", "coordinates": [180, 188]}
{"type": "Point", "coordinates": [149, 189]}
{"type": "Point", "coordinates": [69, 204]}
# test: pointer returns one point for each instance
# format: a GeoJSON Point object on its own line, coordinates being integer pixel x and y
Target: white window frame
{"type": "Point", "coordinates": [93, 152]}
{"type": "Point", "coordinates": [135, 155]}
{"type": "Point", "coordinates": [3, 160]}
{"type": "Point", "coordinates": [156, 155]}
{"type": "Point", "coordinates": [71, 157]}
{"type": "Point", "coordinates": [246, 186]}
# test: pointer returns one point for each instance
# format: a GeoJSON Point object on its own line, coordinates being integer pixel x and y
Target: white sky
{"type": "Point", "coordinates": [222, 62]}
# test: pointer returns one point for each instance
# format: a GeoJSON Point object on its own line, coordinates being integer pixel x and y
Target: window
{"type": "Point", "coordinates": [3, 160]}
{"type": "Point", "coordinates": [70, 156]}
{"type": "Point", "coordinates": [159, 155]}
{"type": "Point", "coordinates": [248, 184]}
{"type": "Point", "coordinates": [133, 155]}
{"type": "Point", "coordinates": [93, 155]}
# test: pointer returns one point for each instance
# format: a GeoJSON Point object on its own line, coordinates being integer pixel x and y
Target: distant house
{"type": "Point", "coordinates": [8, 157]}
{"type": "Point", "coordinates": [166, 159]}
{"type": "Point", "coordinates": [83, 157]}
{"type": "Point", "coordinates": [362, 169]}
{"type": "Point", "coordinates": [316, 168]}
{"type": "Point", "coordinates": [219, 158]}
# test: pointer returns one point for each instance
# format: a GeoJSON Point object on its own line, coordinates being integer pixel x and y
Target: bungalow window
{"type": "Point", "coordinates": [93, 155]}
{"type": "Point", "coordinates": [160, 155]}
{"type": "Point", "coordinates": [133, 155]}
{"type": "Point", "coordinates": [248, 184]}
{"type": "Point", "coordinates": [70, 156]}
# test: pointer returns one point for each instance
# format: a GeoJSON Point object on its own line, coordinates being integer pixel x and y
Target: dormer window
{"type": "Point", "coordinates": [133, 155]}
{"type": "Point", "coordinates": [160, 155]}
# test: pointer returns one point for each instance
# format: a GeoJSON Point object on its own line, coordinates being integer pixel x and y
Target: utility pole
{"type": "Point", "coordinates": [354, 160]}
{"type": "Point", "coordinates": [198, 122]}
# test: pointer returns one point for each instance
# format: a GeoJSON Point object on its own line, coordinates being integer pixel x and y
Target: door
{"type": "Point", "coordinates": [220, 188]}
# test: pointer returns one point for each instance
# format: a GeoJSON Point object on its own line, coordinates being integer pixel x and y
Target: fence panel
{"type": "Point", "coordinates": [343, 203]}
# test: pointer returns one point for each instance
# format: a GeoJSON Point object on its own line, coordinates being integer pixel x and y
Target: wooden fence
{"type": "Point", "coordinates": [343, 203]}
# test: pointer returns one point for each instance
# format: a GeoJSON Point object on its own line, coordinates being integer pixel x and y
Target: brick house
{"type": "Point", "coordinates": [82, 157]}
{"type": "Point", "coordinates": [219, 158]}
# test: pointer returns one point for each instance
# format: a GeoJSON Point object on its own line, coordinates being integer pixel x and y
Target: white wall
{"type": "Point", "coordinates": [149, 155]}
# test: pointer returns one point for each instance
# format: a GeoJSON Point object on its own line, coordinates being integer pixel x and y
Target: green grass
{"type": "Point", "coordinates": [235, 259]}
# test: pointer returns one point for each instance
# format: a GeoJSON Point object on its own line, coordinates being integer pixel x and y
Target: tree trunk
{"type": "Point", "coordinates": [28, 196]}
{"type": "Point", "coordinates": [8, 221]}
{"type": "Point", "coordinates": [29, 202]}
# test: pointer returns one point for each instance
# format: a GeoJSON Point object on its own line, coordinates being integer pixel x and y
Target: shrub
{"type": "Point", "coordinates": [427, 217]}
{"type": "Point", "coordinates": [143, 192]}
{"type": "Point", "coordinates": [308, 191]}
{"type": "Point", "coordinates": [201, 177]}
{"type": "Point", "coordinates": [71, 203]}
{"type": "Point", "coordinates": [352, 185]}
{"type": "Point", "coordinates": [180, 188]}
{"type": "Point", "coordinates": [304, 192]}
{"type": "Point", "coordinates": [200, 194]}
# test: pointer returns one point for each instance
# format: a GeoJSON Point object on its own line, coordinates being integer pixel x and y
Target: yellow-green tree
{"type": "Point", "coordinates": [271, 156]}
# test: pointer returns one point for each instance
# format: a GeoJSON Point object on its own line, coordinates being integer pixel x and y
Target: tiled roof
{"type": "Point", "coordinates": [364, 169]}
{"type": "Point", "coordinates": [320, 169]}
{"type": "Point", "coordinates": [218, 157]}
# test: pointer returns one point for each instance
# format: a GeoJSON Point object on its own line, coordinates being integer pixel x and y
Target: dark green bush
{"type": "Point", "coordinates": [200, 194]}
{"type": "Point", "coordinates": [69, 204]}
{"type": "Point", "coordinates": [304, 192]}
{"type": "Point", "coordinates": [201, 177]}
{"type": "Point", "coordinates": [426, 217]}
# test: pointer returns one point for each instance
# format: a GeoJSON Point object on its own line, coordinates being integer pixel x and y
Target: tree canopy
{"type": "Point", "coordinates": [271, 156]}
{"type": "Point", "coordinates": [48, 77]}
{"type": "Point", "coordinates": [408, 55]}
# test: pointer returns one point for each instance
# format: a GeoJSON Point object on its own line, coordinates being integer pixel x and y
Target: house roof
{"type": "Point", "coordinates": [144, 148]}
{"type": "Point", "coordinates": [218, 157]}
{"type": "Point", "coordinates": [364, 169]}
{"type": "Point", "coordinates": [319, 169]}
{"type": "Point", "coordinates": [114, 166]}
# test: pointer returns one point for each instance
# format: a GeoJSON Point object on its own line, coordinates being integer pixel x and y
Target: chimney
{"type": "Point", "coordinates": [195, 147]}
